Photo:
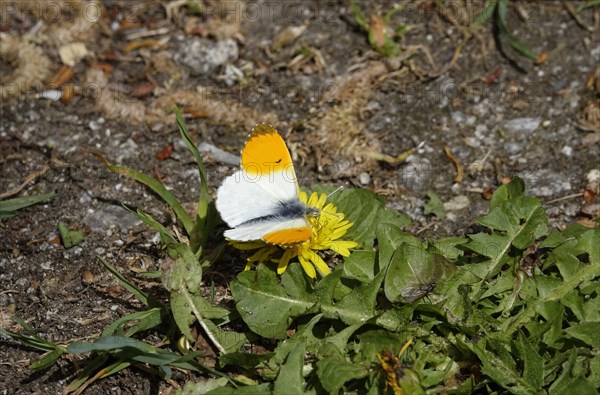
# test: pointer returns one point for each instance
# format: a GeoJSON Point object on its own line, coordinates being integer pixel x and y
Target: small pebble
{"type": "Point", "coordinates": [518, 125]}
{"type": "Point", "coordinates": [457, 203]}
{"type": "Point", "coordinates": [593, 179]}
{"type": "Point", "coordinates": [364, 178]}
{"type": "Point", "coordinates": [567, 151]}
{"type": "Point", "coordinates": [88, 277]}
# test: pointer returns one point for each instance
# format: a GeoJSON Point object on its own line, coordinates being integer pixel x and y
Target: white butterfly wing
{"type": "Point", "coordinates": [257, 230]}
{"type": "Point", "coordinates": [243, 196]}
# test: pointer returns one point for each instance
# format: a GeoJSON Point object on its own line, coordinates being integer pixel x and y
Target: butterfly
{"type": "Point", "coordinates": [261, 200]}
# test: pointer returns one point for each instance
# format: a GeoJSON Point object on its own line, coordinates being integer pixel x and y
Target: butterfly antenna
{"type": "Point", "coordinates": [328, 196]}
{"type": "Point", "coordinates": [334, 214]}
{"type": "Point", "coordinates": [335, 191]}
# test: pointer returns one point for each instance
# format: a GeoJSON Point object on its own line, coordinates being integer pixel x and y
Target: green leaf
{"type": "Point", "coordinates": [366, 211]}
{"type": "Point", "coordinates": [516, 220]}
{"type": "Point", "coordinates": [511, 191]}
{"type": "Point", "coordinates": [69, 238]}
{"type": "Point", "coordinates": [499, 365]}
{"type": "Point", "coordinates": [571, 380]}
{"type": "Point", "coordinates": [304, 335]}
{"type": "Point", "coordinates": [185, 272]}
{"type": "Point", "coordinates": [290, 380]}
{"type": "Point", "coordinates": [588, 4]}
{"type": "Point", "coordinates": [203, 386]}
{"type": "Point", "coordinates": [48, 359]}
{"type": "Point", "coordinates": [377, 340]}
{"type": "Point", "coordinates": [243, 360]}
{"type": "Point", "coordinates": [413, 273]}
{"type": "Point", "coordinates": [434, 205]}
{"type": "Point", "coordinates": [248, 390]}
{"type": "Point", "coordinates": [126, 349]}
{"type": "Point", "coordinates": [587, 332]}
{"type": "Point", "coordinates": [485, 15]}
{"type": "Point", "coordinates": [533, 371]}
{"type": "Point", "coordinates": [206, 214]}
{"type": "Point", "coordinates": [501, 12]}
{"type": "Point", "coordinates": [361, 265]}
{"type": "Point", "coordinates": [334, 371]}
{"type": "Point", "coordinates": [138, 293]}
{"type": "Point", "coordinates": [9, 207]}
{"type": "Point", "coordinates": [182, 314]}
{"type": "Point", "coordinates": [340, 339]}
{"type": "Point", "coordinates": [144, 320]}
{"type": "Point", "coordinates": [29, 337]}
{"type": "Point", "coordinates": [359, 305]}
{"type": "Point", "coordinates": [267, 307]}
{"type": "Point", "coordinates": [166, 235]}
{"type": "Point", "coordinates": [447, 247]}
{"type": "Point", "coordinates": [390, 237]}
{"type": "Point", "coordinates": [110, 343]}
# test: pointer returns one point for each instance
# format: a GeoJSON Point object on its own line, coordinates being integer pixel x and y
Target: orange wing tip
{"type": "Point", "coordinates": [288, 237]}
{"type": "Point", "coordinates": [265, 152]}
{"type": "Point", "coordinates": [263, 128]}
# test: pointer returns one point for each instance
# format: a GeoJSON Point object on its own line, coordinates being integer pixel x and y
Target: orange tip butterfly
{"type": "Point", "coordinates": [260, 201]}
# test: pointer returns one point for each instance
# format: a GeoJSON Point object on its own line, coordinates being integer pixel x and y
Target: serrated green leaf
{"type": "Point", "coordinates": [340, 340]}
{"type": "Point", "coordinates": [303, 335]}
{"type": "Point", "coordinates": [366, 211]}
{"type": "Point", "coordinates": [516, 220]}
{"type": "Point", "coordinates": [361, 265]}
{"type": "Point", "coordinates": [70, 238]}
{"type": "Point", "coordinates": [587, 332]}
{"type": "Point", "coordinates": [290, 380]}
{"type": "Point", "coordinates": [570, 381]}
{"type": "Point", "coordinates": [248, 390]}
{"type": "Point", "coordinates": [498, 365]}
{"type": "Point", "coordinates": [359, 305]}
{"type": "Point", "coordinates": [448, 247]}
{"type": "Point", "coordinates": [203, 386]}
{"type": "Point", "coordinates": [334, 371]}
{"type": "Point", "coordinates": [413, 273]}
{"type": "Point", "coordinates": [390, 237]}
{"type": "Point", "coordinates": [506, 192]}
{"type": "Point", "coordinates": [434, 205]}
{"type": "Point", "coordinates": [589, 243]}
{"type": "Point", "coordinates": [182, 314]}
{"type": "Point", "coordinates": [186, 271]}
{"type": "Point", "coordinates": [264, 305]}
{"type": "Point", "coordinates": [533, 370]}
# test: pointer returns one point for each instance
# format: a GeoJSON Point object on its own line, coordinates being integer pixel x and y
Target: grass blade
{"type": "Point", "coordinates": [206, 212]}
{"type": "Point", "coordinates": [138, 293]}
{"type": "Point", "coordinates": [156, 186]}
{"type": "Point", "coordinates": [9, 207]}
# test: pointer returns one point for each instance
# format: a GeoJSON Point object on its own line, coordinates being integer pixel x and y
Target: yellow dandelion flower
{"type": "Point", "coordinates": [327, 229]}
